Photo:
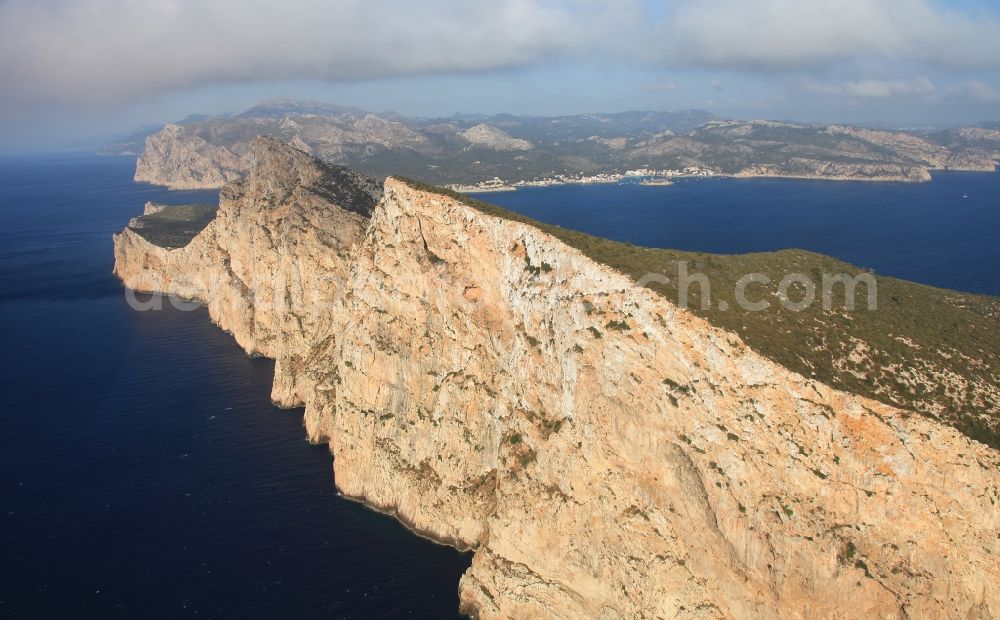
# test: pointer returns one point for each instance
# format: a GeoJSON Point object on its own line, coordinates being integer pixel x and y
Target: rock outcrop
{"type": "Point", "coordinates": [208, 154]}
{"type": "Point", "coordinates": [490, 137]}
{"type": "Point", "coordinates": [606, 453]}
{"type": "Point", "coordinates": [150, 208]}
{"type": "Point", "coordinates": [181, 160]}
{"type": "Point", "coordinates": [269, 264]}
{"type": "Point", "coordinates": [805, 168]}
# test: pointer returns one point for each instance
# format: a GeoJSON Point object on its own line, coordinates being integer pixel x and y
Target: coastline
{"type": "Point", "coordinates": [488, 187]}
{"type": "Point", "coordinates": [837, 178]}
{"type": "Point", "coordinates": [667, 180]}
{"type": "Point", "coordinates": [444, 541]}
{"type": "Point", "coordinates": [642, 176]}
{"type": "Point", "coordinates": [840, 178]}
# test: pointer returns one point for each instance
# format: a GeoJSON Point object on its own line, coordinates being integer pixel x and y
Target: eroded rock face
{"type": "Point", "coordinates": [178, 160]}
{"type": "Point", "coordinates": [611, 455]}
{"type": "Point", "coordinates": [491, 137]}
{"type": "Point", "coordinates": [607, 454]}
{"type": "Point", "coordinates": [273, 260]}
{"type": "Point", "coordinates": [209, 155]}
{"type": "Point", "coordinates": [804, 168]}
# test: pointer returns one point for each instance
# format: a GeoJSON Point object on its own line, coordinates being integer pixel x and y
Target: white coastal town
{"type": "Point", "coordinates": [644, 176]}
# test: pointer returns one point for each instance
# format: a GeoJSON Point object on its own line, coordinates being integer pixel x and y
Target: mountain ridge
{"type": "Point", "coordinates": [469, 150]}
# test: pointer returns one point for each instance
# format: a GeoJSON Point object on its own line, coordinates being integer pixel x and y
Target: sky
{"type": "Point", "coordinates": [73, 72]}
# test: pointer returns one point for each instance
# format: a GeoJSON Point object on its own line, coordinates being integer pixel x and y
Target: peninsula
{"type": "Point", "coordinates": [508, 387]}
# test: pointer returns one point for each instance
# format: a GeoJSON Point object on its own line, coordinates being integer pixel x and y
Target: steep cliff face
{"type": "Point", "coordinates": [607, 454]}
{"type": "Point", "coordinates": [272, 262]}
{"type": "Point", "coordinates": [613, 456]}
{"type": "Point", "coordinates": [181, 160]}
{"type": "Point", "coordinates": [212, 153]}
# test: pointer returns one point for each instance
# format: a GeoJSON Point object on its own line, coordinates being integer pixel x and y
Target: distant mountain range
{"type": "Point", "coordinates": [201, 152]}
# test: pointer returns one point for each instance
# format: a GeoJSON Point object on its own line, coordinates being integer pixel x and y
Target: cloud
{"type": "Point", "coordinates": [104, 51]}
{"type": "Point", "coordinates": [778, 35]}
{"type": "Point", "coordinates": [873, 89]}
{"type": "Point", "coordinates": [976, 91]}
{"type": "Point", "coordinates": [660, 86]}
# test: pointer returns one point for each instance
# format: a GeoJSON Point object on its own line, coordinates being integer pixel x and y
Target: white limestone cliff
{"type": "Point", "coordinates": [179, 160]}
{"type": "Point", "coordinates": [604, 452]}
{"type": "Point", "coordinates": [267, 266]}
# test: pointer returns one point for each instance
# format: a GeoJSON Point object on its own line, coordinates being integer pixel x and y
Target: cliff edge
{"type": "Point", "coordinates": [606, 453]}
{"type": "Point", "coordinates": [270, 262]}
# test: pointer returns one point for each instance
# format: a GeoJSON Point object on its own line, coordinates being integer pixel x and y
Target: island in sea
{"type": "Point", "coordinates": [510, 387]}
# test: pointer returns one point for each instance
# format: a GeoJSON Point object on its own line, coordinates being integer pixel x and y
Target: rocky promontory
{"type": "Point", "coordinates": [279, 248]}
{"type": "Point", "coordinates": [179, 160]}
{"type": "Point", "coordinates": [606, 453]}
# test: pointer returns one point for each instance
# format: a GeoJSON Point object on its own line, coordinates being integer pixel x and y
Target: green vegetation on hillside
{"type": "Point", "coordinates": [175, 227]}
{"type": "Point", "coordinates": [926, 349]}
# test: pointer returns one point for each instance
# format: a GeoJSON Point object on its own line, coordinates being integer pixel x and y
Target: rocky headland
{"type": "Point", "coordinates": [605, 453]}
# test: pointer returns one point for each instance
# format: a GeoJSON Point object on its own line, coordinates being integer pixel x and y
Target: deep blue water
{"type": "Point", "coordinates": [944, 233]}
{"type": "Point", "coordinates": [143, 472]}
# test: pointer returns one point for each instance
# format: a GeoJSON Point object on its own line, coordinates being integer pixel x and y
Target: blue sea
{"type": "Point", "coordinates": [143, 472]}
{"type": "Point", "coordinates": [944, 233]}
